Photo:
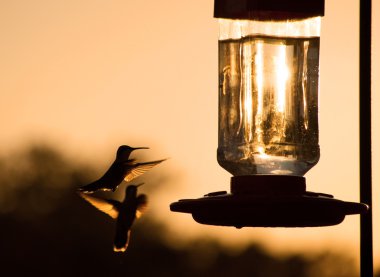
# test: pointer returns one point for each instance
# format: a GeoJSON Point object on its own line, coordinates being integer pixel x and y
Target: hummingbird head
{"type": "Point", "coordinates": [132, 189]}
{"type": "Point", "coordinates": [124, 151]}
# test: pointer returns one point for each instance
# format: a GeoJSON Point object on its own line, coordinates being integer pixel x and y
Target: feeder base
{"type": "Point", "coordinates": [267, 204]}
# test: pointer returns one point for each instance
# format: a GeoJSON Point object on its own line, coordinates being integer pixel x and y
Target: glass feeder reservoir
{"type": "Point", "coordinates": [268, 118]}
{"type": "Point", "coordinates": [268, 96]}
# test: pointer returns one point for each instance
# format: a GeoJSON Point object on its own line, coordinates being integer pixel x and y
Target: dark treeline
{"type": "Point", "coordinates": [46, 229]}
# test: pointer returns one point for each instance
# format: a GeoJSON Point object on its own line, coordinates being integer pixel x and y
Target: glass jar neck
{"type": "Point", "coordinates": [235, 29]}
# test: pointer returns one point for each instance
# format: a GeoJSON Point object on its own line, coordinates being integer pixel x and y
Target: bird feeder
{"type": "Point", "coordinates": [268, 118]}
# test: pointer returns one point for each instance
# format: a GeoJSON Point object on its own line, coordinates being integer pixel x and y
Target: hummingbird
{"type": "Point", "coordinates": [121, 169]}
{"type": "Point", "coordinates": [124, 212]}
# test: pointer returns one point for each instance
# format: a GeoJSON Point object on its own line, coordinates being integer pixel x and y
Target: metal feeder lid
{"type": "Point", "coordinates": [269, 9]}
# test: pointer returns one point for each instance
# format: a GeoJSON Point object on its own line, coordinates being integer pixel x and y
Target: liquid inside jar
{"type": "Point", "coordinates": [268, 105]}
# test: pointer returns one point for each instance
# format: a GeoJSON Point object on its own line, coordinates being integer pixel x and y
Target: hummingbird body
{"type": "Point", "coordinates": [121, 169]}
{"type": "Point", "coordinates": [124, 212]}
{"type": "Point", "coordinates": [130, 209]}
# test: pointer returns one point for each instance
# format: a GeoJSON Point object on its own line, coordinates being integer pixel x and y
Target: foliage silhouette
{"type": "Point", "coordinates": [48, 230]}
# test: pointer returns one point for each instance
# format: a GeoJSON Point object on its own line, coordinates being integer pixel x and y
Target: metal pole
{"type": "Point", "coordinates": [366, 243]}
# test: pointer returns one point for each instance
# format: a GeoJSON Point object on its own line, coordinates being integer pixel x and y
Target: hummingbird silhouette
{"type": "Point", "coordinates": [124, 212]}
{"type": "Point", "coordinates": [121, 169]}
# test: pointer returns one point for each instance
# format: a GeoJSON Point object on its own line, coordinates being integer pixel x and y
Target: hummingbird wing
{"type": "Point", "coordinates": [110, 207]}
{"type": "Point", "coordinates": [142, 204]}
{"type": "Point", "coordinates": [141, 168]}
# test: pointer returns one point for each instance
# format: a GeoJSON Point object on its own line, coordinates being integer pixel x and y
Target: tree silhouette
{"type": "Point", "coordinates": [48, 230]}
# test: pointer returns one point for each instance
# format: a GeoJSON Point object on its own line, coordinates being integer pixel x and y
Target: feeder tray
{"type": "Point", "coordinates": [268, 201]}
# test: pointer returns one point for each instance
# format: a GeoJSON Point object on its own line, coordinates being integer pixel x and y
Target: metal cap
{"type": "Point", "coordinates": [269, 9]}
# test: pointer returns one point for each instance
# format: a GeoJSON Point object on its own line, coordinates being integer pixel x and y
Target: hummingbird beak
{"type": "Point", "coordinates": [139, 185]}
{"type": "Point", "coordinates": [136, 148]}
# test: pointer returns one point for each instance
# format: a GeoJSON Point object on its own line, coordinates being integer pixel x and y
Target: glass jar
{"type": "Point", "coordinates": [268, 96]}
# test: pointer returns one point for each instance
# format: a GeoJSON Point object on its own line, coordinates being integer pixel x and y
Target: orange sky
{"type": "Point", "coordinates": [90, 75]}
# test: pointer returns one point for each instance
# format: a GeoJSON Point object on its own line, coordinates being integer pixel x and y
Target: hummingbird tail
{"type": "Point", "coordinates": [121, 241]}
{"type": "Point", "coordinates": [116, 249]}
{"type": "Point", "coordinates": [90, 188]}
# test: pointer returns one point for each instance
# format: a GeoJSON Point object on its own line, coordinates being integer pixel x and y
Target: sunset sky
{"type": "Point", "coordinates": [87, 76]}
